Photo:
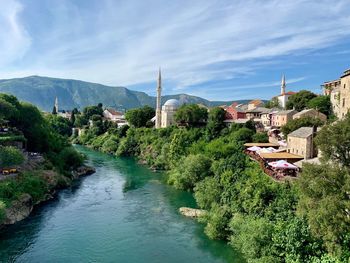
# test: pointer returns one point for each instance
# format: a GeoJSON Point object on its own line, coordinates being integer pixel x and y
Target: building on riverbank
{"type": "Point", "coordinates": [339, 92]}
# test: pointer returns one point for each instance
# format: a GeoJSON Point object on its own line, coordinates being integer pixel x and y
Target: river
{"type": "Point", "coordinates": [122, 213]}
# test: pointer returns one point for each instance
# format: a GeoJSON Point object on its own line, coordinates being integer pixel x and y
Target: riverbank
{"type": "Point", "coordinates": [34, 187]}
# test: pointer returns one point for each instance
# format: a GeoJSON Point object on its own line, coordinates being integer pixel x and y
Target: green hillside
{"type": "Point", "coordinates": [41, 91]}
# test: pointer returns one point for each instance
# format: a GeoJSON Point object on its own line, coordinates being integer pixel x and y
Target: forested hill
{"type": "Point", "coordinates": [41, 91]}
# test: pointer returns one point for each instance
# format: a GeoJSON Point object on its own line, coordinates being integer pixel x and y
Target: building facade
{"type": "Point", "coordinates": [312, 113]}
{"type": "Point", "coordinates": [113, 115]}
{"type": "Point", "coordinates": [339, 92]}
{"type": "Point", "coordinates": [168, 113]}
{"type": "Point", "coordinates": [280, 118]}
{"type": "Point", "coordinates": [301, 142]}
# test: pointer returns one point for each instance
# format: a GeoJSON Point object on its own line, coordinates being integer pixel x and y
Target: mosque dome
{"type": "Point", "coordinates": [172, 103]}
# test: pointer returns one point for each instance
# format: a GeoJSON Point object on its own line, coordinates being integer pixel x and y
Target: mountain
{"type": "Point", "coordinates": [41, 91]}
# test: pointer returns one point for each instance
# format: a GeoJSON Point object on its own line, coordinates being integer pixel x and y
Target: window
{"type": "Point", "coordinates": [343, 102]}
{"type": "Point", "coordinates": [344, 86]}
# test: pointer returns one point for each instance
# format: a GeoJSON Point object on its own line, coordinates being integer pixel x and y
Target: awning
{"type": "Point", "coordinates": [254, 149]}
{"type": "Point", "coordinates": [281, 164]}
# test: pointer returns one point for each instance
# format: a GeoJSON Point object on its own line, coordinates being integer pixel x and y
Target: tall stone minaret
{"type": "Point", "coordinates": [159, 105]}
{"type": "Point", "coordinates": [283, 85]}
{"type": "Point", "coordinates": [56, 105]}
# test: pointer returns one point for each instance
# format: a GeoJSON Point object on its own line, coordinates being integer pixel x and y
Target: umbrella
{"type": "Point", "coordinates": [281, 164]}
{"type": "Point", "coordinates": [254, 149]}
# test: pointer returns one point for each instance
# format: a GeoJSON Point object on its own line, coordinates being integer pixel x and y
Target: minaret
{"type": "Point", "coordinates": [56, 105]}
{"type": "Point", "coordinates": [159, 94]}
{"type": "Point", "coordinates": [283, 85]}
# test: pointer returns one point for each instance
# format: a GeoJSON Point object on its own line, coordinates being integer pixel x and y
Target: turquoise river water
{"type": "Point", "coordinates": [122, 213]}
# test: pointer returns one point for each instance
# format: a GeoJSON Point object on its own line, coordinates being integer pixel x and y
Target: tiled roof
{"type": "Point", "coordinates": [289, 93]}
{"type": "Point", "coordinates": [259, 109]}
{"type": "Point", "coordinates": [284, 112]}
{"type": "Point", "coordinates": [114, 112]}
{"type": "Point", "coordinates": [302, 132]}
{"type": "Point", "coordinates": [256, 102]}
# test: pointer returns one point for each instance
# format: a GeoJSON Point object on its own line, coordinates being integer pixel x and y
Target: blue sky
{"type": "Point", "coordinates": [219, 50]}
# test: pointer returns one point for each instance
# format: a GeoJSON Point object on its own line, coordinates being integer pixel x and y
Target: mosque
{"type": "Point", "coordinates": [165, 115]}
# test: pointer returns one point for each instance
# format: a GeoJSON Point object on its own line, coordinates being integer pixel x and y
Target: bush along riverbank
{"type": "Point", "coordinates": [36, 158]}
{"type": "Point", "coordinates": [265, 220]}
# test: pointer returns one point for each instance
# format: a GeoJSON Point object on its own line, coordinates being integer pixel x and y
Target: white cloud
{"type": "Point", "coordinates": [123, 43]}
{"type": "Point", "coordinates": [14, 40]}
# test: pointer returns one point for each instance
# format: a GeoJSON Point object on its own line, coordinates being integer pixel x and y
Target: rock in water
{"type": "Point", "coordinates": [192, 212]}
{"type": "Point", "coordinates": [19, 209]}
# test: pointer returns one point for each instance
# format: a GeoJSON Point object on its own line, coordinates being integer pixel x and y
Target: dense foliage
{"type": "Point", "coordinates": [10, 156]}
{"type": "Point", "coordinates": [44, 135]}
{"type": "Point", "coordinates": [191, 115]}
{"type": "Point", "coordinates": [301, 122]}
{"type": "Point", "coordinates": [265, 220]}
{"type": "Point", "coordinates": [140, 117]}
{"type": "Point", "coordinates": [322, 104]}
{"type": "Point", "coordinates": [300, 100]}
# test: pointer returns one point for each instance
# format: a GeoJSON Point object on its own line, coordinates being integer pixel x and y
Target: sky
{"type": "Point", "coordinates": [219, 50]}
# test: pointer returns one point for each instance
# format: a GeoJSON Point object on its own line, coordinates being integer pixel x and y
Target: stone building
{"type": "Point", "coordinates": [339, 92]}
{"type": "Point", "coordinates": [301, 142]}
{"type": "Point", "coordinates": [280, 118]}
{"type": "Point", "coordinates": [310, 113]}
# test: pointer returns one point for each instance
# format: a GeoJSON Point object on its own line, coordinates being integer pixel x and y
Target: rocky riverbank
{"type": "Point", "coordinates": [192, 212]}
{"type": "Point", "coordinates": [24, 205]}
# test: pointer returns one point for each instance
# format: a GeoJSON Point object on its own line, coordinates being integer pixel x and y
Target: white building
{"type": "Point", "coordinates": [283, 98]}
{"type": "Point", "coordinates": [168, 111]}
{"type": "Point", "coordinates": [113, 115]}
{"type": "Point", "coordinates": [164, 115]}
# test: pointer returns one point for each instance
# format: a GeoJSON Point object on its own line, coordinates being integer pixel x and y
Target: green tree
{"type": "Point", "coordinates": [60, 125]}
{"type": "Point", "coordinates": [300, 100]}
{"type": "Point", "coordinates": [92, 110]}
{"type": "Point", "coordinates": [260, 137]}
{"type": "Point", "coordinates": [215, 122]}
{"type": "Point", "coordinates": [273, 103]}
{"type": "Point", "coordinates": [191, 115]}
{"type": "Point", "coordinates": [192, 169]}
{"type": "Point", "coordinates": [34, 128]}
{"type": "Point", "coordinates": [7, 110]}
{"type": "Point", "coordinates": [10, 156]}
{"type": "Point", "coordinates": [322, 104]}
{"type": "Point", "coordinates": [333, 140]}
{"type": "Point", "coordinates": [301, 122]}
{"type": "Point", "coordinates": [139, 117]}
{"type": "Point", "coordinates": [325, 201]}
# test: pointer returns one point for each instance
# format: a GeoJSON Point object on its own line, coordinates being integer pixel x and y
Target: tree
{"type": "Point", "coordinates": [301, 122]}
{"type": "Point", "coordinates": [333, 140]}
{"type": "Point", "coordinates": [7, 110]}
{"type": "Point", "coordinates": [191, 115]}
{"type": "Point", "coordinates": [322, 104]}
{"type": "Point", "coordinates": [10, 156]}
{"type": "Point", "coordinates": [92, 110]}
{"type": "Point", "coordinates": [325, 201]}
{"type": "Point", "coordinates": [60, 125]}
{"type": "Point", "coordinates": [34, 128]}
{"type": "Point", "coordinates": [139, 117]}
{"type": "Point", "coordinates": [193, 169]}
{"type": "Point", "coordinates": [215, 122]}
{"type": "Point", "coordinates": [260, 137]}
{"type": "Point", "coordinates": [273, 103]}
{"type": "Point", "coordinates": [300, 100]}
